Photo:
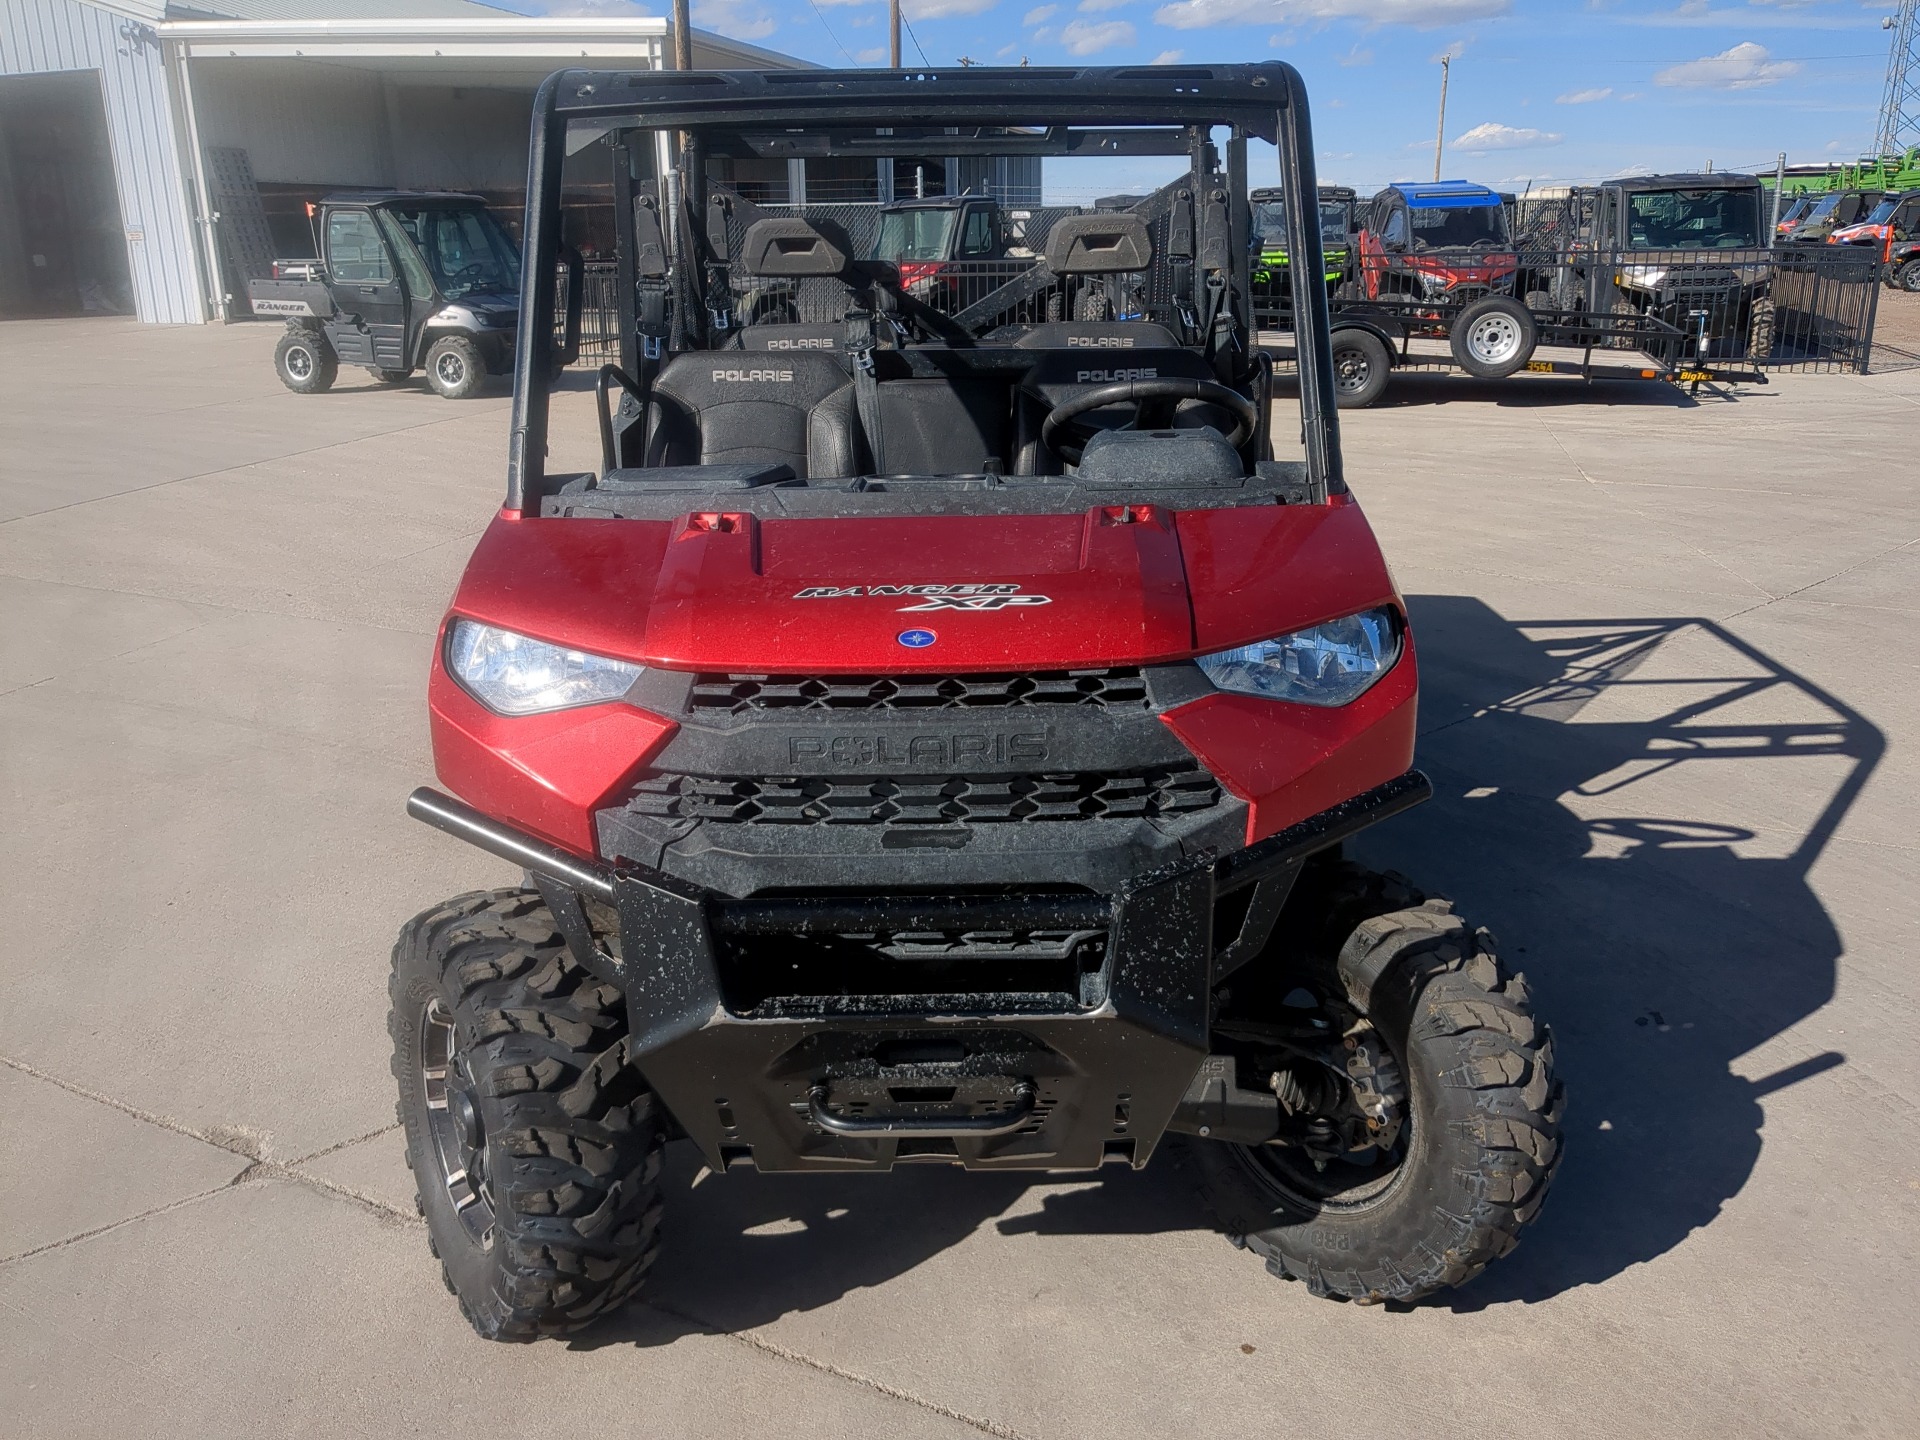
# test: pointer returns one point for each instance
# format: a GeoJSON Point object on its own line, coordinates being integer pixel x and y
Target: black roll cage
{"type": "Point", "coordinates": [1266, 101]}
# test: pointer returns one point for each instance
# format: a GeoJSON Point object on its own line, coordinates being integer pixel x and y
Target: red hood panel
{"type": "Point", "coordinates": [724, 592]}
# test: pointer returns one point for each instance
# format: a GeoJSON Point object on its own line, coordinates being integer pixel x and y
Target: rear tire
{"type": "Point", "coordinates": [1493, 337]}
{"type": "Point", "coordinates": [306, 362]}
{"type": "Point", "coordinates": [1907, 277]}
{"type": "Point", "coordinates": [455, 367]}
{"type": "Point", "coordinates": [1483, 1119]}
{"type": "Point", "coordinates": [1361, 366]}
{"type": "Point", "coordinates": [534, 1143]}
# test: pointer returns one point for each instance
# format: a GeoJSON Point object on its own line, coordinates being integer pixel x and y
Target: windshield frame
{"type": "Point", "coordinates": [1728, 196]}
{"type": "Point", "coordinates": [405, 224]}
{"type": "Point", "coordinates": [913, 221]}
{"type": "Point", "coordinates": [1496, 237]}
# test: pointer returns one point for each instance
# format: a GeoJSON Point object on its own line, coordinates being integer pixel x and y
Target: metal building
{"type": "Point", "coordinates": [152, 152]}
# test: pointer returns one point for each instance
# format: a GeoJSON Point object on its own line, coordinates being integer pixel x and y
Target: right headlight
{"type": "Point", "coordinates": [514, 674]}
{"type": "Point", "coordinates": [1331, 664]}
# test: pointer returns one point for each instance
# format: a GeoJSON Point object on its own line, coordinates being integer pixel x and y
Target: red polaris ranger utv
{"type": "Point", "coordinates": [931, 737]}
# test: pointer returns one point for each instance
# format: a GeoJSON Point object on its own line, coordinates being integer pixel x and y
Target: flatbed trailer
{"type": "Point", "coordinates": [1371, 339]}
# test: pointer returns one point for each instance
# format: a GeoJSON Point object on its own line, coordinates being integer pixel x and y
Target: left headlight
{"type": "Point", "coordinates": [1330, 664]}
{"type": "Point", "coordinates": [516, 675]}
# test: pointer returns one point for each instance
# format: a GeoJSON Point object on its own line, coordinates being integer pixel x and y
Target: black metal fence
{"type": "Point", "coordinates": [1808, 308]}
{"type": "Point", "coordinates": [1789, 308]}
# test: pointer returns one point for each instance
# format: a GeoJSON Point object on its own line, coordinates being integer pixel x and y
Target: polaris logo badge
{"type": "Point", "coordinates": [1100, 342]}
{"type": "Point", "coordinates": [1113, 377]}
{"type": "Point", "coordinates": [930, 597]}
{"type": "Point", "coordinates": [782, 376]}
{"type": "Point", "coordinates": [934, 750]}
{"type": "Point", "coordinates": [818, 344]}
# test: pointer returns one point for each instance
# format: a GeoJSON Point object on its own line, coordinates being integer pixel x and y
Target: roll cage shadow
{"type": "Point", "coordinates": [1266, 101]}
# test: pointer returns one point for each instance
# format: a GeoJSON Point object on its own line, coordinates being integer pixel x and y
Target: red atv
{"type": "Point", "coordinates": [940, 746]}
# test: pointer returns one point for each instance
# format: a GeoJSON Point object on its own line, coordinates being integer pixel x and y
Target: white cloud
{"type": "Point", "coordinates": [1168, 57]}
{"type": "Point", "coordinates": [1504, 137]}
{"type": "Point", "coordinates": [927, 9]}
{"type": "Point", "coordinates": [1421, 14]}
{"type": "Point", "coordinates": [1746, 66]}
{"type": "Point", "coordinates": [1085, 38]}
{"type": "Point", "coordinates": [1040, 14]}
{"type": "Point", "coordinates": [1583, 97]}
{"type": "Point", "coordinates": [741, 19]}
{"type": "Point", "coordinates": [940, 9]}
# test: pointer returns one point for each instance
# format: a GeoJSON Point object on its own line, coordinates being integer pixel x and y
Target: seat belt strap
{"type": "Point", "coordinates": [866, 386]}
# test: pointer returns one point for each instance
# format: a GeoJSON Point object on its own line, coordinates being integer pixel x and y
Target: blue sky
{"type": "Point", "coordinates": [1540, 92]}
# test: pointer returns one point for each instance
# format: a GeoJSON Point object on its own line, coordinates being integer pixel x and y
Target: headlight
{"type": "Point", "coordinates": [1647, 275]}
{"type": "Point", "coordinates": [1331, 664]}
{"type": "Point", "coordinates": [1433, 284]}
{"type": "Point", "coordinates": [514, 675]}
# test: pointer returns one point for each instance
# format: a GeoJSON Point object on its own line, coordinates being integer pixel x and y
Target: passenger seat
{"type": "Point", "coordinates": [729, 407]}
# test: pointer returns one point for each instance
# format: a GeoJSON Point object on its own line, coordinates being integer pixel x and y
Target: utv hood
{"type": "Point", "coordinates": [1113, 585]}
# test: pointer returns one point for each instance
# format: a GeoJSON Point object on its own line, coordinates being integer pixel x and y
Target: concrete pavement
{"type": "Point", "coordinates": [1670, 682]}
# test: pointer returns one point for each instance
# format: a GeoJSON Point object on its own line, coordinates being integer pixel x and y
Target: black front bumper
{"type": "Point", "coordinates": [1086, 1063]}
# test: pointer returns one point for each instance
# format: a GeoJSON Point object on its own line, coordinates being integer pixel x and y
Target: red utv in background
{"type": "Point", "coordinates": [1444, 241]}
{"type": "Point", "coordinates": [1895, 218]}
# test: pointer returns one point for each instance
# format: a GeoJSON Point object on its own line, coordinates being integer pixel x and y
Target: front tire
{"type": "Point", "coordinates": [455, 367]}
{"type": "Point", "coordinates": [534, 1143]}
{"type": "Point", "coordinates": [306, 362]}
{"type": "Point", "coordinates": [1907, 277]}
{"type": "Point", "coordinates": [1481, 1134]}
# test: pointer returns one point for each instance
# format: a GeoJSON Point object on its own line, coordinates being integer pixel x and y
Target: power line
{"type": "Point", "coordinates": [915, 38]}
{"type": "Point", "coordinates": [829, 29]}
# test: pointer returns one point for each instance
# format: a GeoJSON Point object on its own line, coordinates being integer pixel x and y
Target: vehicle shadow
{"type": "Point", "coordinates": [1633, 806]}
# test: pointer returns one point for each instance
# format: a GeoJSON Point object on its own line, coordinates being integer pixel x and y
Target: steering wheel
{"type": "Point", "coordinates": [1153, 400]}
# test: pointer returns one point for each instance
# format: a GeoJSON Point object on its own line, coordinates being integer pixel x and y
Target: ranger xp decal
{"type": "Point", "coordinates": [931, 597]}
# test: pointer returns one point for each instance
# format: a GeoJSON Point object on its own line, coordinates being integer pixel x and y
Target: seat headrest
{"type": "Point", "coordinates": [1096, 335]}
{"type": "Point", "coordinates": [1098, 245]}
{"type": "Point", "coordinates": [791, 247]}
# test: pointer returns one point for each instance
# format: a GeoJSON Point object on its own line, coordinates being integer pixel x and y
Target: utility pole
{"type": "Point", "coordinates": [1440, 131]}
{"type": "Point", "coordinates": [682, 35]}
{"type": "Point", "coordinates": [1779, 189]}
{"type": "Point", "coordinates": [893, 32]}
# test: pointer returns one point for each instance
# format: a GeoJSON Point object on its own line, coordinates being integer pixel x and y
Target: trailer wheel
{"type": "Point", "coordinates": [1360, 368]}
{"type": "Point", "coordinates": [1907, 277]}
{"type": "Point", "coordinates": [306, 362]}
{"type": "Point", "coordinates": [455, 367]}
{"type": "Point", "coordinates": [1493, 337]}
{"type": "Point", "coordinates": [1760, 331]}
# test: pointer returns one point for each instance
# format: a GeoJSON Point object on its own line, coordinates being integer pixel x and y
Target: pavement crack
{"type": "Point", "coordinates": [230, 1139]}
{"type": "Point", "coordinates": [112, 1225]}
{"type": "Point", "coordinates": [825, 1367]}
{"type": "Point", "coordinates": [343, 1144]}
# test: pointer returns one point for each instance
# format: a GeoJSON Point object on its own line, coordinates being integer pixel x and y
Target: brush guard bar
{"type": "Point", "coordinates": [995, 1080]}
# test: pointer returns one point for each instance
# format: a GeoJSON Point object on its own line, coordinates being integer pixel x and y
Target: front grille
{"type": "Point", "coordinates": [739, 694]}
{"type": "Point", "coordinates": [917, 800]}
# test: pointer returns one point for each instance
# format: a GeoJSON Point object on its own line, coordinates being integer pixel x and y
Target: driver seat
{"type": "Point", "coordinates": [1063, 375]}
